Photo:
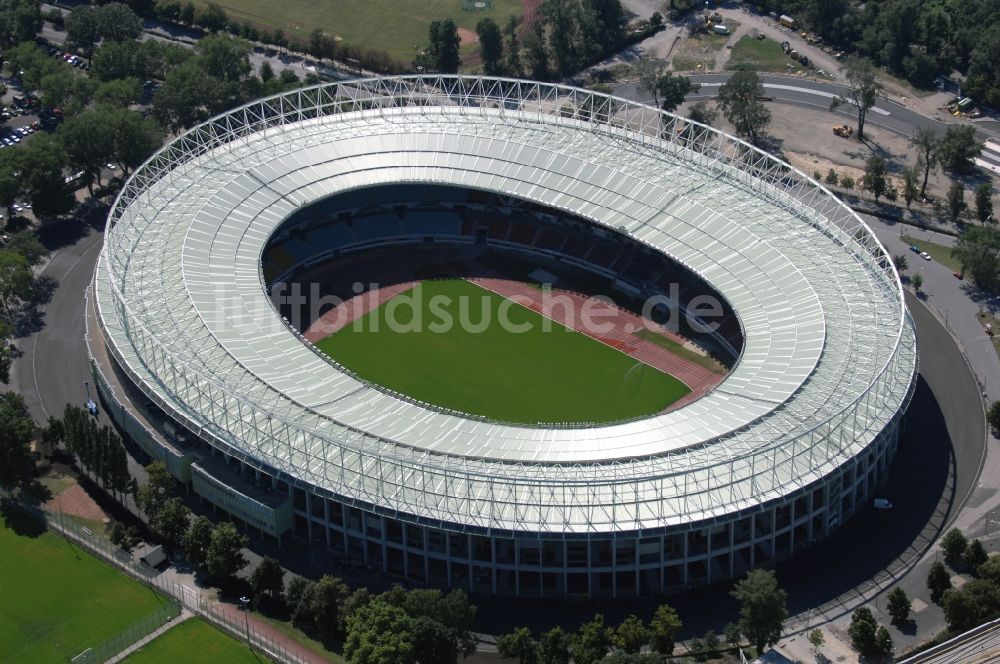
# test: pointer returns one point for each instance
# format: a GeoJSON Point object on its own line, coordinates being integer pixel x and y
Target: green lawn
{"type": "Point", "coordinates": [760, 55]}
{"type": "Point", "coordinates": [194, 641]}
{"type": "Point", "coordinates": [526, 377]}
{"type": "Point", "coordinates": [289, 630]}
{"type": "Point", "coordinates": [56, 600]}
{"type": "Point", "coordinates": [938, 252]}
{"type": "Point", "coordinates": [398, 27]}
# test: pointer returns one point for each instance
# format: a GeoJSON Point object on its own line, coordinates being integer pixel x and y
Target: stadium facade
{"type": "Point", "coordinates": [199, 369]}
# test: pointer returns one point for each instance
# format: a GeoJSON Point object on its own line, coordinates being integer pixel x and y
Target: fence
{"type": "Point", "coordinates": [140, 629]}
{"type": "Point", "coordinates": [234, 622]}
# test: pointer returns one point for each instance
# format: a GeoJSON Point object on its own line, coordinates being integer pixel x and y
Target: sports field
{"type": "Point", "coordinates": [492, 370]}
{"type": "Point", "coordinates": [398, 27]}
{"type": "Point", "coordinates": [56, 600]}
{"type": "Point", "coordinates": [194, 641]}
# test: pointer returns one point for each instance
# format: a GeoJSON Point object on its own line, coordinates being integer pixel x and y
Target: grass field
{"type": "Point", "coordinates": [58, 600]}
{"type": "Point", "coordinates": [760, 55]}
{"type": "Point", "coordinates": [938, 252]}
{"type": "Point", "coordinates": [194, 641]}
{"type": "Point", "coordinates": [528, 377]}
{"type": "Point", "coordinates": [398, 27]}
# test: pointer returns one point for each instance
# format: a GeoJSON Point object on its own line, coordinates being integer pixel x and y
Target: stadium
{"type": "Point", "coordinates": [744, 442]}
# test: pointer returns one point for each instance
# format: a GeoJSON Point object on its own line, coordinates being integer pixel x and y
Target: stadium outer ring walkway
{"type": "Point", "coordinates": [193, 363]}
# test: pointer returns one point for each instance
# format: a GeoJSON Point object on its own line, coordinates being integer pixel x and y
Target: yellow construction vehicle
{"type": "Point", "coordinates": [844, 131]}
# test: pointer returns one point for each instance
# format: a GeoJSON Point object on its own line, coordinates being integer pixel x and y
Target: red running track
{"type": "Point", "coordinates": [611, 326]}
{"type": "Point", "coordinates": [347, 312]}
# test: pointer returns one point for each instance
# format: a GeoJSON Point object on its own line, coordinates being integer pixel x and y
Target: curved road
{"type": "Point", "coordinates": [818, 94]}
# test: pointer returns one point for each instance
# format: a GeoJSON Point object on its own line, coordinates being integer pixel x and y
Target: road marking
{"type": "Point", "coordinates": [34, 337]}
{"type": "Point", "coordinates": [794, 88]}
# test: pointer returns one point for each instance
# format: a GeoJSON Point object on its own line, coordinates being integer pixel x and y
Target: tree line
{"type": "Point", "coordinates": [763, 610]}
{"type": "Point", "coordinates": [975, 602]}
{"type": "Point", "coordinates": [915, 39]}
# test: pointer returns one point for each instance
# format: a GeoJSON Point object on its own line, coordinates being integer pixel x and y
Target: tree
{"type": "Point", "coordinates": [536, 56]}
{"type": "Point", "coordinates": [213, 18]}
{"type": "Point", "coordinates": [20, 21]}
{"type": "Point", "coordinates": [89, 141]}
{"type": "Point", "coordinates": [956, 201]}
{"type": "Point", "coordinates": [975, 555]}
{"type": "Point", "coordinates": [993, 416]}
{"type": "Point", "coordinates": [984, 202]}
{"type": "Point", "coordinates": [863, 89]}
{"type": "Point", "coordinates": [832, 177]}
{"type": "Point", "coordinates": [762, 607]}
{"type": "Point", "coordinates": [83, 29]}
{"type": "Point", "coordinates": [379, 633]}
{"type": "Point", "coordinates": [883, 642]}
{"type": "Point", "coordinates": [901, 262]}
{"type": "Point", "coordinates": [649, 71]}
{"type": "Point", "coordinates": [938, 581]}
{"type": "Point", "coordinates": [975, 603]}
{"type": "Point", "coordinates": [197, 540]}
{"type": "Point", "coordinates": [118, 22]}
{"type": "Point", "coordinates": [591, 643]}
{"type": "Point", "coordinates": [954, 544]}
{"type": "Point", "coordinates": [151, 497]}
{"type": "Point", "coordinates": [42, 176]}
{"type": "Point", "coordinates": [16, 429]}
{"type": "Point", "coordinates": [433, 642]}
{"type": "Point", "coordinates": [978, 251]}
{"type": "Point", "coordinates": [926, 142]}
{"type": "Point", "coordinates": [268, 578]}
{"type": "Point", "coordinates": [918, 282]}
{"type": "Point", "coordinates": [673, 89]}
{"type": "Point", "coordinates": [739, 99]}
{"type": "Point", "coordinates": [875, 176]}
{"type": "Point", "coordinates": [990, 570]}
{"type": "Point", "coordinates": [631, 635]}
{"type": "Point", "coordinates": [983, 81]}
{"type": "Point", "coordinates": [186, 93]}
{"type": "Point", "coordinates": [16, 281]}
{"type": "Point", "coordinates": [135, 139]}
{"type": "Point", "coordinates": [816, 640]}
{"type": "Point", "coordinates": [490, 46]}
{"type": "Point", "coordinates": [224, 557]}
{"type": "Point", "coordinates": [862, 631]}
{"type": "Point", "coordinates": [172, 520]}
{"type": "Point", "coordinates": [702, 114]}
{"type": "Point", "coordinates": [899, 605]}
{"type": "Point", "coordinates": [731, 632]}
{"type": "Point", "coordinates": [513, 49]}
{"type": "Point", "coordinates": [519, 645]}
{"type": "Point", "coordinates": [119, 93]}
{"type": "Point", "coordinates": [444, 43]}
{"type": "Point", "coordinates": [317, 607]}
{"type": "Point", "coordinates": [664, 628]}
{"type": "Point", "coordinates": [847, 182]}
{"type": "Point", "coordinates": [958, 148]}
{"type": "Point", "coordinates": [910, 189]}
{"type": "Point", "coordinates": [554, 647]}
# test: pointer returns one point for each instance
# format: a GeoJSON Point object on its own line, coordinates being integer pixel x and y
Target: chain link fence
{"type": "Point", "coordinates": [135, 632]}
{"type": "Point", "coordinates": [234, 622]}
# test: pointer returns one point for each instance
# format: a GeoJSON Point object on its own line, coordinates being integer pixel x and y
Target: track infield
{"type": "Point", "coordinates": [194, 641]}
{"type": "Point", "coordinates": [58, 600]}
{"type": "Point", "coordinates": [531, 371]}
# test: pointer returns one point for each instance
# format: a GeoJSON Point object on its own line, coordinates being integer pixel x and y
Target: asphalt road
{"type": "Point", "coordinates": [818, 94]}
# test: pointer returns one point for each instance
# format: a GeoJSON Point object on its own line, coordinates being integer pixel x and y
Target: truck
{"type": "Point", "coordinates": [720, 29]}
{"type": "Point", "coordinates": [787, 21]}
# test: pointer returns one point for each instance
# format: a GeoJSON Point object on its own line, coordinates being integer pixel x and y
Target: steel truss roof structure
{"type": "Point", "coordinates": [829, 356]}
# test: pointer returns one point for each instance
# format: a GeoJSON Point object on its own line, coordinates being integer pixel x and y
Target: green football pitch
{"type": "Point", "coordinates": [56, 600]}
{"type": "Point", "coordinates": [488, 369]}
{"type": "Point", "coordinates": [194, 642]}
{"type": "Point", "coordinates": [398, 27]}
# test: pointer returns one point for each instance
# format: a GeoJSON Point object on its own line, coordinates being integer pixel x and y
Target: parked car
{"type": "Point", "coordinates": [914, 248]}
{"type": "Point", "coordinates": [926, 256]}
